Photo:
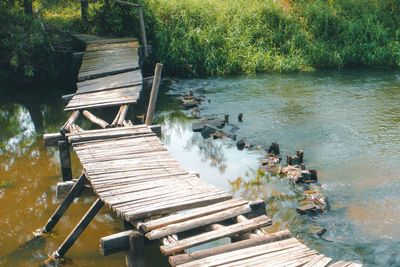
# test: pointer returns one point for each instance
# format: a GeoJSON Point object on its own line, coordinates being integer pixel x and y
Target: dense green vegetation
{"type": "Point", "coordinates": [208, 37]}
{"type": "Point", "coordinates": [227, 36]}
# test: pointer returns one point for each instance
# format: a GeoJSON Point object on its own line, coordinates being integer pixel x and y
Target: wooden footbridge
{"type": "Point", "coordinates": [135, 176]}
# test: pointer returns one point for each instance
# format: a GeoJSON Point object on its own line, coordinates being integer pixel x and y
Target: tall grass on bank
{"type": "Point", "coordinates": [230, 36]}
{"type": "Point", "coordinates": [213, 37]}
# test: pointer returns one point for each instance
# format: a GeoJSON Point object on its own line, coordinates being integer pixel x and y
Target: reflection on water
{"type": "Point", "coordinates": [347, 122]}
{"type": "Point", "coordinates": [28, 175]}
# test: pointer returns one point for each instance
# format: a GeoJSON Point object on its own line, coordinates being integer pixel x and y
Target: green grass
{"type": "Point", "coordinates": [228, 36]}
{"type": "Point", "coordinates": [218, 37]}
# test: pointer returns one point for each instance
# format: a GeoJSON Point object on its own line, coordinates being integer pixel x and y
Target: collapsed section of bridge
{"type": "Point", "coordinates": [133, 174]}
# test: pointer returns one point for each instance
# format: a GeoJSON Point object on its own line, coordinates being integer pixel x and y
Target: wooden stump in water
{"type": "Point", "coordinates": [65, 160]}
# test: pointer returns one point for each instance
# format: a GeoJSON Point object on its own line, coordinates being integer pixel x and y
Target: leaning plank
{"type": "Point", "coordinates": [238, 228]}
{"type": "Point", "coordinates": [71, 120]}
{"type": "Point", "coordinates": [198, 222]}
{"type": "Point", "coordinates": [180, 217]}
{"type": "Point", "coordinates": [94, 119]}
{"type": "Point", "coordinates": [272, 249]}
{"type": "Point", "coordinates": [260, 240]}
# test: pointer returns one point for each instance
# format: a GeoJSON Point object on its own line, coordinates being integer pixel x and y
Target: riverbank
{"type": "Point", "coordinates": [196, 38]}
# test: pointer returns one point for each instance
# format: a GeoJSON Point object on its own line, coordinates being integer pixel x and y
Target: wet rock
{"type": "Point", "coordinates": [317, 230]}
{"type": "Point", "coordinates": [314, 175]}
{"type": "Point", "coordinates": [303, 166]}
{"type": "Point", "coordinates": [240, 144]}
{"type": "Point", "coordinates": [271, 163]}
{"type": "Point", "coordinates": [309, 209]}
{"type": "Point", "coordinates": [232, 136]}
{"type": "Point", "coordinates": [292, 160]}
{"type": "Point", "coordinates": [298, 176]}
{"type": "Point", "coordinates": [198, 126]}
{"type": "Point", "coordinates": [318, 199]}
{"type": "Point", "coordinates": [273, 149]}
{"type": "Point", "coordinates": [234, 129]}
{"type": "Point", "coordinates": [300, 155]}
{"type": "Point", "coordinates": [191, 104]}
{"type": "Point", "coordinates": [195, 112]}
{"type": "Point", "coordinates": [208, 130]}
{"type": "Point", "coordinates": [240, 117]}
{"type": "Point", "coordinates": [219, 123]}
{"type": "Point", "coordinates": [226, 118]}
{"type": "Point", "coordinates": [219, 135]}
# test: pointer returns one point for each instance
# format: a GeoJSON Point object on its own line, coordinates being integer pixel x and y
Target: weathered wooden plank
{"type": "Point", "coordinates": [127, 79]}
{"type": "Point", "coordinates": [103, 136]}
{"type": "Point", "coordinates": [134, 214]}
{"type": "Point", "coordinates": [132, 197]}
{"type": "Point", "coordinates": [114, 243]}
{"type": "Point", "coordinates": [198, 222]}
{"type": "Point", "coordinates": [319, 261]}
{"type": "Point", "coordinates": [129, 179]}
{"type": "Point", "coordinates": [192, 214]}
{"type": "Point", "coordinates": [272, 249]}
{"type": "Point", "coordinates": [238, 228]}
{"type": "Point", "coordinates": [124, 95]}
{"type": "Point", "coordinates": [146, 198]}
{"type": "Point", "coordinates": [112, 46]}
{"type": "Point", "coordinates": [340, 264]}
{"type": "Point", "coordinates": [274, 259]}
{"type": "Point", "coordinates": [94, 39]}
{"type": "Point", "coordinates": [253, 242]}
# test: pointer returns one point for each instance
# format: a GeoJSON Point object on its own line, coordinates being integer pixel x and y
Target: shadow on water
{"type": "Point", "coordinates": [346, 121]}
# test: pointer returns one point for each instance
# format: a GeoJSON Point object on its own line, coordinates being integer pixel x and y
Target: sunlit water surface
{"type": "Point", "coordinates": [347, 122]}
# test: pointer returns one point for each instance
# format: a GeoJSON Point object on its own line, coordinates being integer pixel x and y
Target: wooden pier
{"type": "Point", "coordinates": [134, 175]}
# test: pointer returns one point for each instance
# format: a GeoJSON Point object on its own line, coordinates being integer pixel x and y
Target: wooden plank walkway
{"type": "Point", "coordinates": [135, 176]}
{"type": "Point", "coordinates": [109, 75]}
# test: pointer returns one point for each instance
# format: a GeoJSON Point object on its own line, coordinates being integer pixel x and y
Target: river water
{"type": "Point", "coordinates": [346, 121]}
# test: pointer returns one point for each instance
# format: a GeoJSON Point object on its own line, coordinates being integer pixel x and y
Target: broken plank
{"type": "Point", "coordinates": [238, 228]}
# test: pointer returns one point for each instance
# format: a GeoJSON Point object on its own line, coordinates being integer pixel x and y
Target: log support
{"type": "Point", "coordinates": [74, 192]}
{"type": "Point", "coordinates": [154, 93]}
{"type": "Point", "coordinates": [77, 231]}
{"type": "Point", "coordinates": [65, 160]}
{"type": "Point", "coordinates": [143, 32]}
{"type": "Point", "coordinates": [103, 124]}
{"type": "Point", "coordinates": [84, 9]}
{"type": "Point", "coordinates": [135, 253]}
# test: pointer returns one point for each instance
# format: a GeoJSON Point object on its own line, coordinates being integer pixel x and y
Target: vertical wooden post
{"type": "Point", "coordinates": [143, 31]}
{"type": "Point", "coordinates": [65, 160]}
{"type": "Point", "coordinates": [84, 8]}
{"type": "Point", "coordinates": [28, 7]}
{"type": "Point", "coordinates": [135, 254]}
{"type": "Point", "coordinates": [76, 189]}
{"type": "Point", "coordinates": [77, 231]}
{"type": "Point", "coordinates": [154, 93]}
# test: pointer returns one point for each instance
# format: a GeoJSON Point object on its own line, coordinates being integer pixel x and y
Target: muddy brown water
{"type": "Point", "coordinates": [346, 121]}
